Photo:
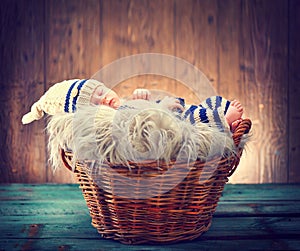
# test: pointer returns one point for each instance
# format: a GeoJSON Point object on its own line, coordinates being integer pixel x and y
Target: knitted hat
{"type": "Point", "coordinates": [65, 96]}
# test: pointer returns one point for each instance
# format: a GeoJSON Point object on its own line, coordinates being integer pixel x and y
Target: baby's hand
{"type": "Point", "coordinates": [171, 103]}
{"type": "Point", "coordinates": [141, 94]}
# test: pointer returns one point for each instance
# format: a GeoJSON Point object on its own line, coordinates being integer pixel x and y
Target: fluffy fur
{"type": "Point", "coordinates": [134, 133]}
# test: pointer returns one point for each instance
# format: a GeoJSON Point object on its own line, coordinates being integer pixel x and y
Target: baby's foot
{"type": "Point", "coordinates": [234, 114]}
{"type": "Point", "coordinates": [141, 94]}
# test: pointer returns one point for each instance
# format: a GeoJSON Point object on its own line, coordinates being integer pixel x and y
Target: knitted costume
{"type": "Point", "coordinates": [68, 95]}
{"type": "Point", "coordinates": [62, 97]}
{"type": "Point", "coordinates": [211, 111]}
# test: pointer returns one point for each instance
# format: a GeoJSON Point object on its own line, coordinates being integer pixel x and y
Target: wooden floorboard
{"type": "Point", "coordinates": [55, 217]}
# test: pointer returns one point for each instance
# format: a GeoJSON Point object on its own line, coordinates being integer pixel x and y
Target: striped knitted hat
{"type": "Point", "coordinates": [65, 96]}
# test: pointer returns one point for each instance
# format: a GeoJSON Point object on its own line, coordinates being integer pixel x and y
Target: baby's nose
{"type": "Point", "coordinates": [111, 101]}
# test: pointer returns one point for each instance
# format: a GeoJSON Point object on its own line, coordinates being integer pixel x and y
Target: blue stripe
{"type": "Point", "coordinates": [218, 102]}
{"type": "Point", "coordinates": [68, 96]}
{"type": "Point", "coordinates": [189, 111]}
{"type": "Point", "coordinates": [192, 119]}
{"type": "Point", "coordinates": [123, 107]}
{"type": "Point", "coordinates": [181, 101]}
{"type": "Point", "coordinates": [203, 116]}
{"type": "Point", "coordinates": [208, 102]}
{"type": "Point", "coordinates": [217, 120]}
{"type": "Point", "coordinates": [76, 97]}
{"type": "Point", "coordinates": [226, 106]}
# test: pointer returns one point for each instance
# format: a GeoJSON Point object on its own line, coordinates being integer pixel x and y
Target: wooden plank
{"type": "Point", "coordinates": [254, 229]}
{"type": "Point", "coordinates": [228, 26]}
{"type": "Point", "coordinates": [22, 157]}
{"type": "Point", "coordinates": [255, 220]}
{"type": "Point", "coordinates": [74, 39]}
{"type": "Point", "coordinates": [294, 92]}
{"type": "Point", "coordinates": [76, 226]}
{"type": "Point", "coordinates": [66, 192]}
{"type": "Point", "coordinates": [260, 192]}
{"type": "Point", "coordinates": [263, 63]}
{"type": "Point", "coordinates": [96, 245]}
{"type": "Point", "coordinates": [78, 207]}
{"type": "Point", "coordinates": [237, 201]}
{"type": "Point", "coordinates": [140, 27]}
{"type": "Point", "coordinates": [73, 49]}
{"type": "Point", "coordinates": [230, 83]}
{"type": "Point", "coordinates": [196, 41]}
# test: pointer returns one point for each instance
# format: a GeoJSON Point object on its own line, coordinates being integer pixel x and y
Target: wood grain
{"type": "Point", "coordinates": [22, 74]}
{"type": "Point", "coordinates": [294, 92]}
{"type": "Point", "coordinates": [230, 84]}
{"type": "Point", "coordinates": [247, 49]}
{"type": "Point", "coordinates": [196, 40]}
{"type": "Point", "coordinates": [51, 217]}
{"type": "Point", "coordinates": [140, 27]}
{"type": "Point", "coordinates": [263, 64]}
{"type": "Point", "coordinates": [73, 41]}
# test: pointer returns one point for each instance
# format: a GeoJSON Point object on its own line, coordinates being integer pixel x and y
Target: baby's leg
{"type": "Point", "coordinates": [216, 111]}
{"type": "Point", "coordinates": [215, 102]}
{"type": "Point", "coordinates": [213, 117]}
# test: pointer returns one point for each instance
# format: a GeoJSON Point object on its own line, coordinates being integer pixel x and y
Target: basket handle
{"type": "Point", "coordinates": [66, 161]}
{"type": "Point", "coordinates": [243, 128]}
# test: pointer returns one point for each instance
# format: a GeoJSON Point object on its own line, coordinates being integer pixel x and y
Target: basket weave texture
{"type": "Point", "coordinates": [183, 212]}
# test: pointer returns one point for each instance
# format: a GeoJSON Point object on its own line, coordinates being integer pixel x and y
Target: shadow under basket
{"type": "Point", "coordinates": [154, 202]}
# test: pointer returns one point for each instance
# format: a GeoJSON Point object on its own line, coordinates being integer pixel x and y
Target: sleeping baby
{"type": "Point", "coordinates": [69, 95]}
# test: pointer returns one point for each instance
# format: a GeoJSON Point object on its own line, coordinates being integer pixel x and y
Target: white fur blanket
{"type": "Point", "coordinates": [133, 135]}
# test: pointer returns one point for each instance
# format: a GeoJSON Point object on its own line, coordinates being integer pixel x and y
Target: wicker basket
{"type": "Point", "coordinates": [182, 213]}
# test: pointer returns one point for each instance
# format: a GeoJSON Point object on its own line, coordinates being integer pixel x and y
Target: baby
{"type": "Point", "coordinates": [69, 95]}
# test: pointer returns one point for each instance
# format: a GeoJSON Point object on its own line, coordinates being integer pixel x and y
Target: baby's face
{"type": "Point", "coordinates": [104, 96]}
{"type": "Point", "coordinates": [111, 99]}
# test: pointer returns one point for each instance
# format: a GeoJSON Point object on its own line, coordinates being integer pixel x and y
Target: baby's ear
{"type": "Point", "coordinates": [95, 97]}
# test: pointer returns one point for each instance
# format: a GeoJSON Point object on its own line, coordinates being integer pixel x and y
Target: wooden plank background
{"type": "Point", "coordinates": [248, 50]}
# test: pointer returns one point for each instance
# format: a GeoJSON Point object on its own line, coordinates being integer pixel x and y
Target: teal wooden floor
{"type": "Point", "coordinates": [55, 217]}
